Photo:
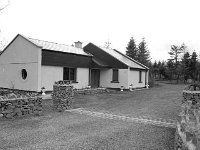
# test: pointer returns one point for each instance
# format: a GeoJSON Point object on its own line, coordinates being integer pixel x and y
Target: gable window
{"type": "Point", "coordinates": [69, 74]}
{"type": "Point", "coordinates": [115, 76]}
{"type": "Point", "coordinates": [140, 76]}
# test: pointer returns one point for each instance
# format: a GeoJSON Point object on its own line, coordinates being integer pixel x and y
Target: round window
{"type": "Point", "coordinates": [24, 74]}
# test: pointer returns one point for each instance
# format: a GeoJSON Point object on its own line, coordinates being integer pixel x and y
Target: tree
{"type": "Point", "coordinates": [3, 4]}
{"type": "Point", "coordinates": [193, 66]}
{"type": "Point", "coordinates": [170, 69]}
{"type": "Point", "coordinates": [185, 65]}
{"type": "Point", "coordinates": [155, 69]}
{"type": "Point", "coordinates": [132, 50]}
{"type": "Point", "coordinates": [175, 53]}
{"type": "Point", "coordinates": [162, 70]}
{"type": "Point", "coordinates": [143, 53]}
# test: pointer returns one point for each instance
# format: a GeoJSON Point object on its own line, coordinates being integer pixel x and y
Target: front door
{"type": "Point", "coordinates": [95, 77]}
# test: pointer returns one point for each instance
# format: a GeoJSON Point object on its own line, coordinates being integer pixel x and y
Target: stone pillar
{"type": "Point", "coordinates": [62, 95]}
{"type": "Point", "coordinates": [188, 127]}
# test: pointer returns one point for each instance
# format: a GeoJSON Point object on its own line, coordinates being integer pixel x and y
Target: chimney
{"type": "Point", "coordinates": [78, 44]}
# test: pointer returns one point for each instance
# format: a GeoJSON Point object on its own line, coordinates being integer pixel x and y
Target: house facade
{"type": "Point", "coordinates": [117, 69]}
{"type": "Point", "coordinates": [30, 64]}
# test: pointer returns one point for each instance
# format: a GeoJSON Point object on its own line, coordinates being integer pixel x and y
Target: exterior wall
{"type": "Point", "coordinates": [134, 78]}
{"type": "Point", "coordinates": [10, 76]}
{"type": "Point", "coordinates": [20, 54]}
{"type": "Point", "coordinates": [106, 78]}
{"type": "Point", "coordinates": [50, 74]}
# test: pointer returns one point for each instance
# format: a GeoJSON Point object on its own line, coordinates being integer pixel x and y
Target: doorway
{"type": "Point", "coordinates": [95, 78]}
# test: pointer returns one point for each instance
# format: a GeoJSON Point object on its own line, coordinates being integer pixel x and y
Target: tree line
{"type": "Point", "coordinates": [181, 65]}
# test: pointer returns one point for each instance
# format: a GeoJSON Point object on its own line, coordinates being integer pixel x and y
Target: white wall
{"type": "Point", "coordinates": [20, 54]}
{"type": "Point", "coordinates": [134, 78]}
{"type": "Point", "coordinates": [50, 74]}
{"type": "Point", "coordinates": [10, 76]}
{"type": "Point", "coordinates": [106, 78]}
{"type": "Point", "coordinates": [82, 78]}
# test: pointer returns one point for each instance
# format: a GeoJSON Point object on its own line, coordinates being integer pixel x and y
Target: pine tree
{"type": "Point", "coordinates": [175, 53]}
{"type": "Point", "coordinates": [185, 65]}
{"type": "Point", "coordinates": [132, 50]}
{"type": "Point", "coordinates": [155, 69]}
{"type": "Point", "coordinates": [170, 69]}
{"type": "Point", "coordinates": [143, 53]}
{"type": "Point", "coordinates": [193, 65]}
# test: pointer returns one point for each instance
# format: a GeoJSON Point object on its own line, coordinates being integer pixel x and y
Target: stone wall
{"type": "Point", "coordinates": [15, 103]}
{"type": "Point", "coordinates": [188, 127]}
{"type": "Point", "coordinates": [90, 91]}
{"type": "Point", "coordinates": [62, 95]}
{"type": "Point", "coordinates": [16, 107]}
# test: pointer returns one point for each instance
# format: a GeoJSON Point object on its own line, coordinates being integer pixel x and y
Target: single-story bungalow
{"type": "Point", "coordinates": [30, 64]}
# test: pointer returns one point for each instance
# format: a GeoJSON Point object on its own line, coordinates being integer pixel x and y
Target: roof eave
{"type": "Point", "coordinates": [132, 59]}
{"type": "Point", "coordinates": [67, 52]}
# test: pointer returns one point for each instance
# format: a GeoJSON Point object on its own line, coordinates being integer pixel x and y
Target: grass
{"type": "Point", "coordinates": [71, 131]}
{"type": "Point", "coordinates": [163, 101]}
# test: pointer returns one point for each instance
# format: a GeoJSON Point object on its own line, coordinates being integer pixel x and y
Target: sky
{"type": "Point", "coordinates": [161, 22]}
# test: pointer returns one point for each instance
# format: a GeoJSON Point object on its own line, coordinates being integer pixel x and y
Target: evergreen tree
{"type": "Point", "coordinates": [132, 50]}
{"type": "Point", "coordinates": [162, 70]}
{"type": "Point", "coordinates": [175, 54]}
{"type": "Point", "coordinates": [185, 65]}
{"type": "Point", "coordinates": [143, 53]}
{"type": "Point", "coordinates": [155, 69]}
{"type": "Point", "coordinates": [170, 69]}
{"type": "Point", "coordinates": [193, 66]}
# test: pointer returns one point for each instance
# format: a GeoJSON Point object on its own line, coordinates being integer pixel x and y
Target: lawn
{"type": "Point", "coordinates": [159, 102]}
{"type": "Point", "coordinates": [68, 130]}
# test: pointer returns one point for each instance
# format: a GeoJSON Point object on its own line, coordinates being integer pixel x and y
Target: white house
{"type": "Point", "coordinates": [117, 69]}
{"type": "Point", "coordinates": [30, 64]}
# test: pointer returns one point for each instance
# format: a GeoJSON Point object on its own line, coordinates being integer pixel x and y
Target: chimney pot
{"type": "Point", "coordinates": [78, 44]}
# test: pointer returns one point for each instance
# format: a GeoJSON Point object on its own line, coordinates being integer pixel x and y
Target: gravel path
{"type": "Point", "coordinates": [157, 122]}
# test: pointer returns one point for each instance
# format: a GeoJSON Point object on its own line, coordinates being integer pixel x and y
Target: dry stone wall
{"type": "Point", "coordinates": [62, 95]}
{"type": "Point", "coordinates": [90, 91]}
{"type": "Point", "coordinates": [15, 103]}
{"type": "Point", "coordinates": [188, 127]}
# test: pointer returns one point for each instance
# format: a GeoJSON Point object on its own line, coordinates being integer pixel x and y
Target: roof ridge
{"type": "Point", "coordinates": [50, 42]}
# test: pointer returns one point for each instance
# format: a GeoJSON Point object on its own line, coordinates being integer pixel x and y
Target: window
{"type": "Point", "coordinates": [115, 75]}
{"type": "Point", "coordinates": [69, 74]}
{"type": "Point", "coordinates": [24, 74]}
{"type": "Point", "coordinates": [140, 76]}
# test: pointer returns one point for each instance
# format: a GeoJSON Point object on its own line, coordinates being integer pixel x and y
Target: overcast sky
{"type": "Point", "coordinates": [161, 22]}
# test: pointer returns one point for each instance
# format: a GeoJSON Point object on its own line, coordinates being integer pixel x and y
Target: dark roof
{"type": "Point", "coordinates": [99, 62]}
{"type": "Point", "coordinates": [115, 54]}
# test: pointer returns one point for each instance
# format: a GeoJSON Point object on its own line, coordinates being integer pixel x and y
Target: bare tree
{"type": "Point", "coordinates": [3, 4]}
